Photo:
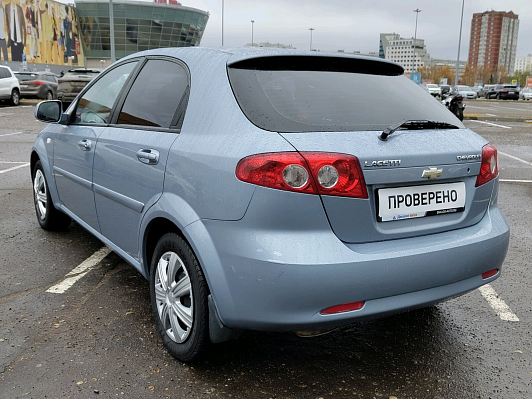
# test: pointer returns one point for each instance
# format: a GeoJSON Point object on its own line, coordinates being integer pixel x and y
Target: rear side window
{"type": "Point", "coordinates": [3, 73]}
{"type": "Point", "coordinates": [155, 95]}
{"type": "Point", "coordinates": [306, 94]}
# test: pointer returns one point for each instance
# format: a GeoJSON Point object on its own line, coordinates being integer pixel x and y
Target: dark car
{"type": "Point", "coordinates": [73, 81]}
{"type": "Point", "coordinates": [504, 92]}
{"type": "Point", "coordinates": [37, 85]}
{"type": "Point", "coordinates": [445, 89]}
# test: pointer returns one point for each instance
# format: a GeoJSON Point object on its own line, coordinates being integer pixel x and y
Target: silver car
{"type": "Point", "coordinates": [465, 91]}
{"type": "Point", "coordinates": [258, 190]}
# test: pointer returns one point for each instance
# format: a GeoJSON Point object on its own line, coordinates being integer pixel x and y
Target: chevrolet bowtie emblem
{"type": "Point", "coordinates": [432, 173]}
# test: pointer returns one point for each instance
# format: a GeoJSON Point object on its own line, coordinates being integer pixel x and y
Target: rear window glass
{"type": "Point", "coordinates": [26, 76]}
{"type": "Point", "coordinates": [285, 100]}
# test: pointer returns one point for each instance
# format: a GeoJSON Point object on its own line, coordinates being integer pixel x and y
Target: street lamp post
{"type": "Point", "coordinates": [459, 40]}
{"type": "Point", "coordinates": [417, 11]}
{"type": "Point", "coordinates": [252, 42]}
{"type": "Point", "coordinates": [112, 31]}
{"type": "Point", "coordinates": [311, 29]}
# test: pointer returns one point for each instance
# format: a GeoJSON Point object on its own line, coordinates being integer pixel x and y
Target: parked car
{"type": "Point", "coordinates": [9, 86]}
{"type": "Point", "coordinates": [526, 93]}
{"type": "Point", "coordinates": [444, 90]}
{"type": "Point", "coordinates": [464, 91]}
{"type": "Point", "coordinates": [432, 89]}
{"type": "Point", "coordinates": [37, 85]}
{"type": "Point", "coordinates": [260, 191]}
{"type": "Point", "coordinates": [504, 92]}
{"type": "Point", "coordinates": [485, 89]}
{"type": "Point", "coordinates": [73, 81]}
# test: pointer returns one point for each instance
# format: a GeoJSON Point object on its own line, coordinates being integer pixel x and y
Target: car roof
{"type": "Point", "coordinates": [195, 56]}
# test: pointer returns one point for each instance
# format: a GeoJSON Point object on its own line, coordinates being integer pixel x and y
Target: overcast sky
{"type": "Point", "coordinates": [355, 25]}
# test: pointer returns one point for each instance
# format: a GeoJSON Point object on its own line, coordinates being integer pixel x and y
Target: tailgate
{"type": "Point", "coordinates": [419, 182]}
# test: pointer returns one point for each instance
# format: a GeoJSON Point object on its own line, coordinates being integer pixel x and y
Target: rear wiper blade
{"type": "Point", "coordinates": [415, 125]}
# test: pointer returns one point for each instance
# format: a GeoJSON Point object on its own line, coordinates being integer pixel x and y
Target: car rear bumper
{"type": "Point", "coordinates": [509, 96]}
{"type": "Point", "coordinates": [32, 93]}
{"type": "Point", "coordinates": [279, 277]}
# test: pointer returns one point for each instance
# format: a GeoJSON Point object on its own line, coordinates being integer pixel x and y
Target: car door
{"type": "Point", "coordinates": [131, 155]}
{"type": "Point", "coordinates": [4, 84]}
{"type": "Point", "coordinates": [75, 143]}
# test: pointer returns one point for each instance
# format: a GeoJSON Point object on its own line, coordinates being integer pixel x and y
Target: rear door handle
{"type": "Point", "coordinates": [85, 145]}
{"type": "Point", "coordinates": [148, 156]}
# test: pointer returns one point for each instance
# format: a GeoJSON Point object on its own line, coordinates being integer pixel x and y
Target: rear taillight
{"type": "Point", "coordinates": [489, 168]}
{"type": "Point", "coordinates": [306, 172]}
{"type": "Point", "coordinates": [459, 98]}
{"type": "Point", "coordinates": [37, 83]}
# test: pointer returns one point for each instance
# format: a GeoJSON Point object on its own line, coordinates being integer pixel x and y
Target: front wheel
{"type": "Point", "coordinates": [179, 303]}
{"type": "Point", "coordinates": [48, 217]}
{"type": "Point", "coordinates": [15, 97]}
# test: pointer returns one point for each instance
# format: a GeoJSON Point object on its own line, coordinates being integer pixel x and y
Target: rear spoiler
{"type": "Point", "coordinates": [320, 63]}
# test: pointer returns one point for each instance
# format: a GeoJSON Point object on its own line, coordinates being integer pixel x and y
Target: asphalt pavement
{"type": "Point", "coordinates": [98, 339]}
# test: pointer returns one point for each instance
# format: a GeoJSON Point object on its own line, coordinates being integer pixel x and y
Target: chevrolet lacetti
{"type": "Point", "coordinates": [272, 190]}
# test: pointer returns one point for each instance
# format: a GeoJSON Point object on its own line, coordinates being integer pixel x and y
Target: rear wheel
{"type": "Point", "coordinates": [49, 95]}
{"type": "Point", "coordinates": [15, 97]}
{"type": "Point", "coordinates": [460, 114]}
{"type": "Point", "coordinates": [178, 293]}
{"type": "Point", "coordinates": [48, 217]}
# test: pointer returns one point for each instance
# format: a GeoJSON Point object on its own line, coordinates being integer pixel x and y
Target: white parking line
{"type": "Point", "coordinates": [10, 134]}
{"type": "Point", "coordinates": [493, 124]}
{"type": "Point", "coordinates": [517, 159]}
{"type": "Point", "coordinates": [12, 162]}
{"type": "Point", "coordinates": [514, 181]}
{"type": "Point", "coordinates": [78, 272]}
{"type": "Point", "coordinates": [15, 167]}
{"type": "Point", "coordinates": [500, 307]}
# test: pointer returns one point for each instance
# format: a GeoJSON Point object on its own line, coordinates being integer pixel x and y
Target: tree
{"type": "Point", "coordinates": [521, 77]}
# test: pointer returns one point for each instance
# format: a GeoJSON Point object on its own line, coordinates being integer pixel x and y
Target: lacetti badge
{"type": "Point", "coordinates": [475, 157]}
{"type": "Point", "coordinates": [388, 162]}
{"type": "Point", "coordinates": [432, 173]}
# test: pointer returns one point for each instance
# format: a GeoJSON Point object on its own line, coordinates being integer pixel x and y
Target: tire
{"type": "Point", "coordinates": [15, 97]}
{"type": "Point", "coordinates": [460, 114]}
{"type": "Point", "coordinates": [49, 95]}
{"type": "Point", "coordinates": [498, 96]}
{"type": "Point", "coordinates": [173, 260]}
{"type": "Point", "coordinates": [48, 217]}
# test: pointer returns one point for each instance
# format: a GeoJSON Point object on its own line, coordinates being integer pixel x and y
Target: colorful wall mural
{"type": "Point", "coordinates": [39, 31]}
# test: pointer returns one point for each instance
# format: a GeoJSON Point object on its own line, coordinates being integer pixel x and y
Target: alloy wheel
{"type": "Point", "coordinates": [174, 297]}
{"type": "Point", "coordinates": [39, 189]}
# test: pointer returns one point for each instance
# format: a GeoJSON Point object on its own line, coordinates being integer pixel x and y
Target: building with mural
{"type": "Point", "coordinates": [44, 34]}
{"type": "Point", "coordinates": [39, 32]}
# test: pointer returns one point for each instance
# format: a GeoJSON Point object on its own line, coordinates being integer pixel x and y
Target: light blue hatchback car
{"type": "Point", "coordinates": [272, 190]}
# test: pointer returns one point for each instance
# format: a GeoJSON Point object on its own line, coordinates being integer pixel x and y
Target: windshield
{"type": "Point", "coordinates": [306, 101]}
{"type": "Point", "coordinates": [25, 76]}
{"type": "Point", "coordinates": [432, 86]}
{"type": "Point", "coordinates": [465, 88]}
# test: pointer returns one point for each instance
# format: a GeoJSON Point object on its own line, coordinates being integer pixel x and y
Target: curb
{"type": "Point", "coordinates": [497, 119]}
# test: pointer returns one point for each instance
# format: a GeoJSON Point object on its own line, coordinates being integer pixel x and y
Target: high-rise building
{"type": "Point", "coordinates": [395, 48]}
{"type": "Point", "coordinates": [493, 40]}
{"type": "Point", "coordinates": [523, 64]}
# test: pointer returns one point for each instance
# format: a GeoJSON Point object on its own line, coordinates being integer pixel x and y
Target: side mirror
{"type": "Point", "coordinates": [48, 111]}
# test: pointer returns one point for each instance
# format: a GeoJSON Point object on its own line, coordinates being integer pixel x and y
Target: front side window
{"type": "Point", "coordinates": [155, 96]}
{"type": "Point", "coordinates": [96, 104]}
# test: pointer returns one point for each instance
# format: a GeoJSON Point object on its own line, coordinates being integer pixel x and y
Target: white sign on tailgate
{"type": "Point", "coordinates": [419, 201]}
